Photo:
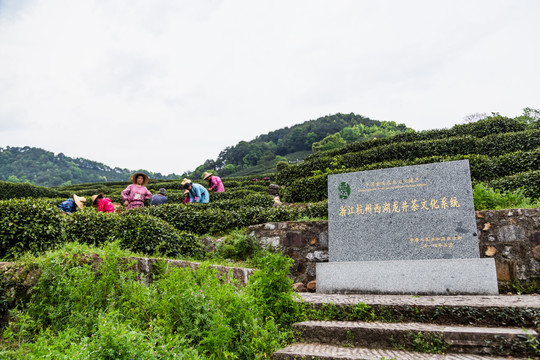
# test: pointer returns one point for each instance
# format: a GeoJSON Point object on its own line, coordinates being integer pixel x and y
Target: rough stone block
{"type": "Point", "coordinates": [294, 239]}
{"type": "Point", "coordinates": [536, 252]}
{"type": "Point", "coordinates": [510, 233]}
{"type": "Point", "coordinates": [272, 242]}
{"type": "Point", "coordinates": [506, 270]}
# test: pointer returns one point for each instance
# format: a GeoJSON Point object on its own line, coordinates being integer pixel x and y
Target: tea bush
{"type": "Point", "coordinates": [150, 235]}
{"type": "Point", "coordinates": [493, 145]}
{"type": "Point", "coordinates": [493, 125]}
{"type": "Point", "coordinates": [528, 180]}
{"type": "Point", "coordinates": [136, 232]}
{"type": "Point", "coordinates": [10, 190]}
{"type": "Point", "coordinates": [482, 167]}
{"type": "Point", "coordinates": [201, 219]}
{"type": "Point", "coordinates": [28, 224]}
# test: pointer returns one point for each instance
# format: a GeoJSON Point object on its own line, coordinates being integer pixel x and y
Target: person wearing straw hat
{"type": "Point", "coordinates": [159, 198]}
{"type": "Point", "coordinates": [70, 205]}
{"type": "Point", "coordinates": [136, 193]}
{"type": "Point", "coordinates": [214, 182]}
{"type": "Point", "coordinates": [197, 193]}
{"type": "Point", "coordinates": [103, 204]}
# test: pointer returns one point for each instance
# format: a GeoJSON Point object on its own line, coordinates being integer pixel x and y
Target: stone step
{"type": "Point", "coordinates": [418, 336]}
{"type": "Point", "coordinates": [330, 352]}
{"type": "Point", "coordinates": [499, 311]}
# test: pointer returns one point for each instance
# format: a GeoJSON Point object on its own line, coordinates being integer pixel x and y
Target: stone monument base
{"type": "Point", "coordinates": [426, 277]}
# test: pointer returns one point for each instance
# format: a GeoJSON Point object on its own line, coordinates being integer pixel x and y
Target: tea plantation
{"type": "Point", "coordinates": [77, 312]}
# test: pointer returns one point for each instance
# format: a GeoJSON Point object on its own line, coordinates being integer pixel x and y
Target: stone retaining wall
{"type": "Point", "coordinates": [511, 237]}
{"type": "Point", "coordinates": [17, 282]}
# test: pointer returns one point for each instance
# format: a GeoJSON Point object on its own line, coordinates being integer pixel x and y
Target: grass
{"type": "Point", "coordinates": [76, 312]}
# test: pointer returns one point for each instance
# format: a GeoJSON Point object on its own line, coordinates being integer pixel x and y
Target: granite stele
{"type": "Point", "coordinates": [407, 230]}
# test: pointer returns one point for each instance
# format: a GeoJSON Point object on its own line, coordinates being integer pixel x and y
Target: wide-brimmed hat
{"type": "Point", "coordinates": [185, 181]}
{"type": "Point", "coordinates": [79, 201]}
{"type": "Point", "coordinates": [162, 191]}
{"type": "Point", "coordinates": [206, 175]}
{"type": "Point", "coordinates": [134, 178]}
{"type": "Point", "coordinates": [95, 197]}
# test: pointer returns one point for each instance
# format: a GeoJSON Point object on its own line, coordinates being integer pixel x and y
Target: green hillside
{"type": "Point", "coordinates": [40, 167]}
{"type": "Point", "coordinates": [260, 156]}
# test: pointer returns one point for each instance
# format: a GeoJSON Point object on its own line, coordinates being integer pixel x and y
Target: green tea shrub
{"type": "Point", "coordinates": [313, 188]}
{"type": "Point", "coordinates": [201, 219]}
{"type": "Point", "coordinates": [493, 145]}
{"type": "Point", "coordinates": [136, 231]}
{"type": "Point", "coordinates": [252, 199]}
{"type": "Point", "coordinates": [147, 234]}
{"type": "Point", "coordinates": [529, 181]}
{"type": "Point", "coordinates": [318, 210]}
{"type": "Point", "coordinates": [10, 190]}
{"type": "Point", "coordinates": [232, 194]}
{"type": "Point", "coordinates": [492, 125]}
{"type": "Point", "coordinates": [482, 167]}
{"type": "Point", "coordinates": [91, 227]}
{"type": "Point", "coordinates": [28, 225]}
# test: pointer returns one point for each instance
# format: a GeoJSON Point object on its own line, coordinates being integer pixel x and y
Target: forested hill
{"type": "Point", "coordinates": [296, 142]}
{"type": "Point", "coordinates": [44, 168]}
{"type": "Point", "coordinates": [256, 157]}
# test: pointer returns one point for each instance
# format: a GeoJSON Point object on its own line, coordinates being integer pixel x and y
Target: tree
{"type": "Point", "coordinates": [330, 142]}
{"type": "Point", "coordinates": [474, 117]}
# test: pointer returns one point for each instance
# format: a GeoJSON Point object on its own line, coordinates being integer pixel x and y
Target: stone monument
{"type": "Point", "coordinates": [404, 230]}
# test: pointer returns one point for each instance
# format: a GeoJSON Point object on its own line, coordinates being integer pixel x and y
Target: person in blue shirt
{"type": "Point", "coordinates": [159, 198]}
{"type": "Point", "coordinates": [197, 192]}
{"type": "Point", "coordinates": [70, 205]}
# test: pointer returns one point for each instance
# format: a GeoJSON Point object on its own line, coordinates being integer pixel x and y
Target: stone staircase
{"type": "Point", "coordinates": [456, 327]}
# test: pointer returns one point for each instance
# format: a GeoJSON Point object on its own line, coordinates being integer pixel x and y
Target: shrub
{"type": "Point", "coordinates": [493, 145]}
{"type": "Point", "coordinates": [492, 125]}
{"type": "Point", "coordinates": [493, 199]}
{"type": "Point", "coordinates": [271, 288]}
{"type": "Point", "coordinates": [28, 225]}
{"type": "Point", "coordinates": [238, 246]}
{"type": "Point", "coordinates": [136, 231]}
{"type": "Point", "coordinates": [147, 234]}
{"type": "Point", "coordinates": [482, 167]}
{"type": "Point", "coordinates": [10, 190]}
{"type": "Point", "coordinates": [91, 227]}
{"type": "Point", "coordinates": [528, 180]}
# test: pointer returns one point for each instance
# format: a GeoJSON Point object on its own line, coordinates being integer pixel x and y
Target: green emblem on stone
{"type": "Point", "coordinates": [344, 190]}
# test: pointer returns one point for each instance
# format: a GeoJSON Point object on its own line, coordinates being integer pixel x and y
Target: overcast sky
{"type": "Point", "coordinates": [165, 85]}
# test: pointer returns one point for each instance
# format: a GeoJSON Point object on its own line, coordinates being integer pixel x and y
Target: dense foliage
{"type": "Point", "coordinates": [41, 167]}
{"type": "Point", "coordinates": [75, 312]}
{"type": "Point", "coordinates": [9, 190]}
{"type": "Point", "coordinates": [502, 152]}
{"type": "Point", "coordinates": [173, 229]}
{"type": "Point", "coordinates": [37, 225]}
{"type": "Point", "coordinates": [328, 132]}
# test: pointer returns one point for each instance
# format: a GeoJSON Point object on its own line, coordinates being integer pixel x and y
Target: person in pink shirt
{"type": "Point", "coordinates": [102, 203]}
{"type": "Point", "coordinates": [214, 182]}
{"type": "Point", "coordinates": [136, 193]}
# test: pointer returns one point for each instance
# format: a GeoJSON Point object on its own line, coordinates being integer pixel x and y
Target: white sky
{"type": "Point", "coordinates": [165, 85]}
